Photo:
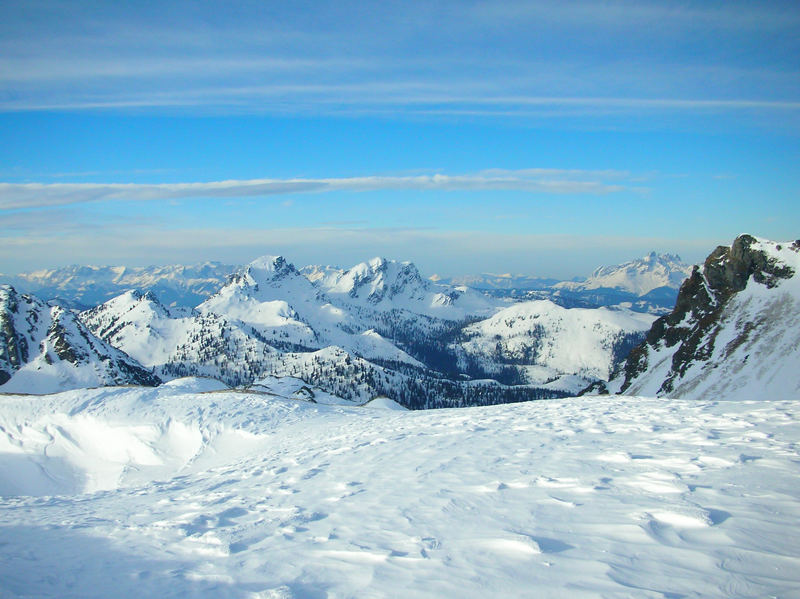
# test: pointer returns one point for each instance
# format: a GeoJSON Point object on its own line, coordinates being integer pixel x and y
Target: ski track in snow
{"type": "Point", "coordinates": [251, 496]}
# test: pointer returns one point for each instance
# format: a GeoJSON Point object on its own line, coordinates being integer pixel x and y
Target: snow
{"type": "Point", "coordinates": [384, 403]}
{"type": "Point", "coordinates": [553, 341]}
{"type": "Point", "coordinates": [53, 350]}
{"type": "Point", "coordinates": [90, 285]}
{"type": "Point", "coordinates": [383, 285]}
{"type": "Point", "coordinates": [170, 493]}
{"type": "Point", "coordinates": [639, 276]}
{"type": "Point", "coordinates": [756, 343]}
{"type": "Point", "coordinates": [196, 384]}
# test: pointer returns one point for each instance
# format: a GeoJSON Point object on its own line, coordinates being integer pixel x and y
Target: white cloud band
{"type": "Point", "coordinates": [38, 195]}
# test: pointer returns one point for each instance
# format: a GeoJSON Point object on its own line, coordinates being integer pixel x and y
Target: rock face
{"type": "Point", "coordinates": [735, 326]}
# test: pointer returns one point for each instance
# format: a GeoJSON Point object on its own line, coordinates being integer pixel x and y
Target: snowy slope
{"type": "Point", "coordinates": [44, 349]}
{"type": "Point", "coordinates": [165, 493]}
{"type": "Point", "coordinates": [735, 330]}
{"type": "Point", "coordinates": [639, 276]}
{"type": "Point", "coordinates": [180, 342]}
{"type": "Point", "coordinates": [552, 342]}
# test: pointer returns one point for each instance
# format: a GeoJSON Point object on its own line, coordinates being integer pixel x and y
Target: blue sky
{"type": "Point", "coordinates": [543, 138]}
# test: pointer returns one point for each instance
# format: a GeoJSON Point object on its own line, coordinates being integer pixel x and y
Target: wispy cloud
{"type": "Point", "coordinates": [14, 196]}
{"type": "Point", "coordinates": [419, 59]}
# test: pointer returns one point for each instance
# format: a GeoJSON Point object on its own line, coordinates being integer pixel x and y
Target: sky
{"type": "Point", "coordinates": [541, 138]}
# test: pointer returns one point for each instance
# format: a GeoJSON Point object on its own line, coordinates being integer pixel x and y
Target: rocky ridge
{"type": "Point", "coordinates": [735, 319]}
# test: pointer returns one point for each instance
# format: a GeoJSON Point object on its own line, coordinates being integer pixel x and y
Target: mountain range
{"type": "Point", "coordinates": [381, 329]}
{"type": "Point", "coordinates": [378, 328]}
{"type": "Point", "coordinates": [647, 284]}
{"type": "Point", "coordinates": [86, 286]}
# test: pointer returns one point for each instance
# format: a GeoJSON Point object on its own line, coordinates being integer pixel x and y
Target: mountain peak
{"type": "Point", "coordinates": [265, 269]}
{"type": "Point", "coordinates": [270, 264]}
{"type": "Point", "coordinates": [638, 276]}
{"type": "Point", "coordinates": [708, 342]}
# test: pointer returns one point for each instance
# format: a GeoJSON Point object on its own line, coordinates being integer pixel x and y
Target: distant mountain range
{"type": "Point", "coordinates": [639, 277]}
{"type": "Point", "coordinates": [648, 284]}
{"type": "Point", "coordinates": [87, 286]}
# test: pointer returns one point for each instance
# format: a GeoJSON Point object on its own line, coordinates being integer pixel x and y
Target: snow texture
{"type": "Point", "coordinates": [172, 492]}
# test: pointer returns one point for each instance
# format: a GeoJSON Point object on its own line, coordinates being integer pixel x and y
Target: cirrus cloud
{"type": "Point", "coordinates": [14, 196]}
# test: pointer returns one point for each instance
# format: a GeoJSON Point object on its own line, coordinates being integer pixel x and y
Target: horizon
{"type": "Point", "coordinates": [432, 276]}
{"type": "Point", "coordinates": [542, 138]}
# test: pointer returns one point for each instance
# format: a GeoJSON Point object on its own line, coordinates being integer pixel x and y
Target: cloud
{"type": "Point", "coordinates": [14, 196]}
{"type": "Point", "coordinates": [414, 59]}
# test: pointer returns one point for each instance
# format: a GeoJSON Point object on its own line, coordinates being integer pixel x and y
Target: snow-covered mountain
{"type": "Point", "coordinates": [378, 328]}
{"type": "Point", "coordinates": [375, 329]}
{"type": "Point", "coordinates": [638, 277]}
{"type": "Point", "coordinates": [46, 348]}
{"type": "Point", "coordinates": [88, 286]}
{"type": "Point", "coordinates": [194, 490]}
{"type": "Point", "coordinates": [382, 285]}
{"type": "Point", "coordinates": [735, 329]}
{"type": "Point", "coordinates": [551, 345]}
{"type": "Point", "coordinates": [270, 320]}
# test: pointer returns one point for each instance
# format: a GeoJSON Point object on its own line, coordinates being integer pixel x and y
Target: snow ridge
{"type": "Point", "coordinates": [192, 490]}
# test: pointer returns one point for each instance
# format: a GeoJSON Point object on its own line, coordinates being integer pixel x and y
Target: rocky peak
{"type": "Point", "coordinates": [727, 269]}
{"type": "Point", "coordinates": [265, 269]}
{"type": "Point", "coordinates": [690, 331]}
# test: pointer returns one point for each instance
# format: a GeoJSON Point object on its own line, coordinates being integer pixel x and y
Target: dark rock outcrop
{"type": "Point", "coordinates": [31, 330]}
{"type": "Point", "coordinates": [693, 325]}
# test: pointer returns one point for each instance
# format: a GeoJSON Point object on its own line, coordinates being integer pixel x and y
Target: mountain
{"type": "Point", "coordinates": [377, 328]}
{"type": "Point", "coordinates": [382, 285]}
{"type": "Point", "coordinates": [46, 348]}
{"type": "Point", "coordinates": [88, 286]}
{"type": "Point", "coordinates": [555, 346]}
{"type": "Point", "coordinates": [648, 284]}
{"type": "Point", "coordinates": [638, 277]}
{"type": "Point", "coordinates": [270, 320]}
{"type": "Point", "coordinates": [735, 329]}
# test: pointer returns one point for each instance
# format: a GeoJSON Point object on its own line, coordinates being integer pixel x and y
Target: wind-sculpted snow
{"type": "Point", "coordinates": [226, 494]}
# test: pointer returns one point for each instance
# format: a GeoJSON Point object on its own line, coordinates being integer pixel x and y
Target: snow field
{"type": "Point", "coordinates": [229, 494]}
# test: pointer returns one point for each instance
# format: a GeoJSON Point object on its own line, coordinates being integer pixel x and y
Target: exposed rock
{"type": "Point", "coordinates": [688, 335]}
